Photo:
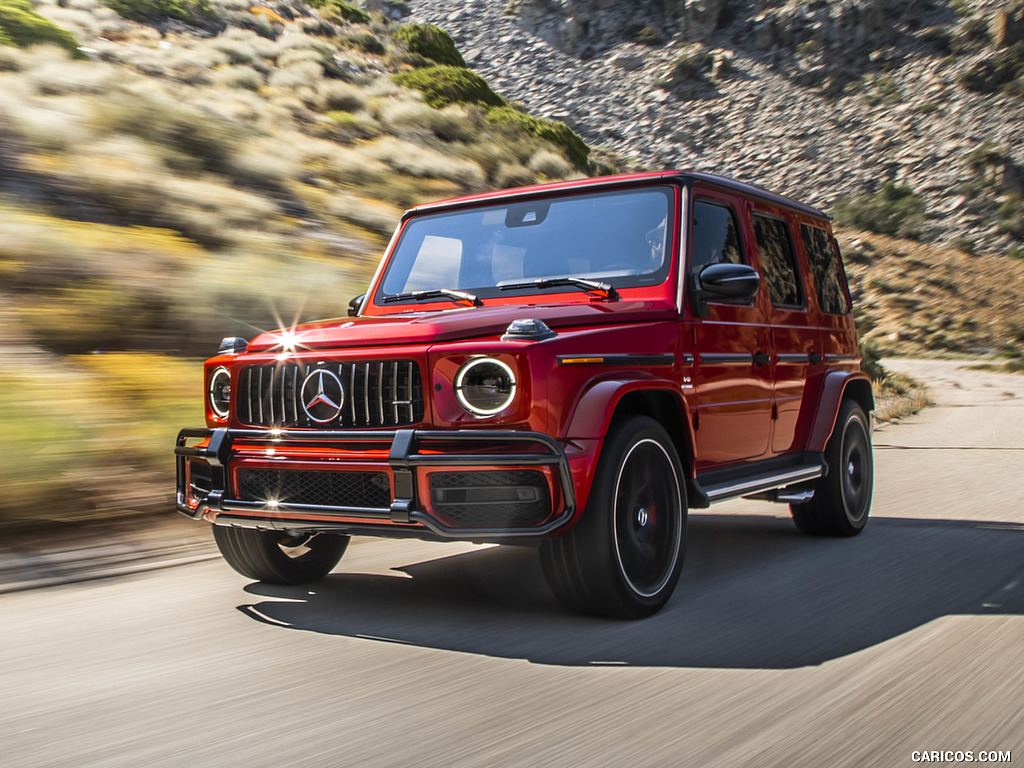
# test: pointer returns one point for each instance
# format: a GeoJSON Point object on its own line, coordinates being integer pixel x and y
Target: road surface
{"type": "Point", "coordinates": [776, 650]}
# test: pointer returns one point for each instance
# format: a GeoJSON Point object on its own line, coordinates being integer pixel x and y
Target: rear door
{"type": "Point", "coordinates": [793, 341]}
{"type": "Point", "coordinates": [732, 371]}
{"type": "Point", "coordinates": [837, 338]}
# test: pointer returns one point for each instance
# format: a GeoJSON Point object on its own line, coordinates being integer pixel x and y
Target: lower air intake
{"type": "Point", "coordinates": [326, 489]}
{"type": "Point", "coordinates": [491, 499]}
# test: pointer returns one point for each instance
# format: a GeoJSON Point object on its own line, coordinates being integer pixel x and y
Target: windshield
{"type": "Point", "coordinates": [615, 237]}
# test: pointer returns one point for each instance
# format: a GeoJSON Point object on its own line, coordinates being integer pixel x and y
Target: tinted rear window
{"type": "Point", "coordinates": [826, 270]}
{"type": "Point", "coordinates": [775, 246]}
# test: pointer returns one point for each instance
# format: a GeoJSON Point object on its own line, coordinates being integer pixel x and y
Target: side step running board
{"type": "Point", "coordinates": [711, 490]}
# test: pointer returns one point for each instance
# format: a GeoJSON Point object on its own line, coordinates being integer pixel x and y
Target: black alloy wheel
{"type": "Point", "coordinates": [842, 498]}
{"type": "Point", "coordinates": [623, 558]}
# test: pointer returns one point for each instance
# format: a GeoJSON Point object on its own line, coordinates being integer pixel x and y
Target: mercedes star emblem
{"type": "Point", "coordinates": [322, 396]}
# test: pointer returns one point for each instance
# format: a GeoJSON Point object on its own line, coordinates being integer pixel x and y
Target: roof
{"type": "Point", "coordinates": [601, 182]}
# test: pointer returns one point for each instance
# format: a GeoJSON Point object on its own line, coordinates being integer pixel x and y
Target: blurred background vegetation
{"type": "Point", "coordinates": [176, 171]}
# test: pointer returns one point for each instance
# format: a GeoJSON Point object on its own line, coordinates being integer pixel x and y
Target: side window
{"type": "Point", "coordinates": [826, 270]}
{"type": "Point", "coordinates": [716, 238]}
{"type": "Point", "coordinates": [775, 246]}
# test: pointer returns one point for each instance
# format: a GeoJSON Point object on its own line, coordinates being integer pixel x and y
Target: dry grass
{"type": "Point", "coordinates": [897, 396]}
{"type": "Point", "coordinates": [917, 299]}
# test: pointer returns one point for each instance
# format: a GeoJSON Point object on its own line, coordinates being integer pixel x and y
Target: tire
{"type": "Point", "coordinates": [842, 498]}
{"type": "Point", "coordinates": [623, 557]}
{"type": "Point", "coordinates": [274, 557]}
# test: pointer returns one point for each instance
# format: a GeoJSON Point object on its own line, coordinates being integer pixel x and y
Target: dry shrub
{"type": "Point", "coordinates": [513, 175]}
{"type": "Point", "coordinates": [58, 76]}
{"type": "Point", "coordinates": [235, 106]}
{"type": "Point", "coordinates": [210, 141]}
{"type": "Point", "coordinates": [490, 154]}
{"type": "Point", "coordinates": [368, 214]}
{"type": "Point", "coordinates": [347, 126]}
{"type": "Point", "coordinates": [353, 168]}
{"type": "Point", "coordinates": [304, 74]}
{"type": "Point", "coordinates": [242, 46]}
{"type": "Point", "coordinates": [453, 123]}
{"type": "Point", "coordinates": [265, 164]}
{"type": "Point", "coordinates": [333, 95]}
{"type": "Point", "coordinates": [416, 160]}
{"type": "Point", "coordinates": [291, 57]}
{"type": "Point", "coordinates": [243, 77]}
{"type": "Point", "coordinates": [294, 39]}
{"type": "Point", "coordinates": [550, 164]}
{"type": "Point", "coordinates": [50, 125]}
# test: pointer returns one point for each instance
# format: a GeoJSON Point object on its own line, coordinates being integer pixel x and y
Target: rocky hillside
{"type": "Point", "coordinates": [819, 99]}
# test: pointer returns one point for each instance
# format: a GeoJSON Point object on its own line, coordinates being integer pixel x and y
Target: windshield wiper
{"type": "Point", "coordinates": [590, 286]}
{"type": "Point", "coordinates": [435, 293]}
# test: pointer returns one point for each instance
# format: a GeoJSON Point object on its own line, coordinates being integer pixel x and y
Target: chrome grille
{"type": "Point", "coordinates": [381, 393]}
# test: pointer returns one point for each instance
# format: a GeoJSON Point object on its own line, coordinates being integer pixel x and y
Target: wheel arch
{"type": "Point", "coordinates": [838, 386]}
{"type": "Point", "coordinates": [610, 400]}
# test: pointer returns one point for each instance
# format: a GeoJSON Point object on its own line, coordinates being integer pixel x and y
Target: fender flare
{"type": "Point", "coordinates": [834, 389]}
{"type": "Point", "coordinates": [592, 414]}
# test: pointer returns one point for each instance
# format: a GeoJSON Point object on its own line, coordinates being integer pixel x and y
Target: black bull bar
{"type": "Point", "coordinates": [404, 458]}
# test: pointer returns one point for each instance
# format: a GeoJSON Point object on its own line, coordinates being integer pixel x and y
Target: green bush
{"type": "Point", "coordinates": [893, 210]}
{"type": "Point", "coordinates": [871, 360]}
{"type": "Point", "coordinates": [432, 42]}
{"type": "Point", "coordinates": [557, 133]}
{"type": "Point", "coordinates": [966, 245]}
{"type": "Point", "coordinates": [689, 64]}
{"type": "Point", "coordinates": [21, 26]}
{"type": "Point", "coordinates": [443, 85]}
{"type": "Point", "coordinates": [196, 12]}
{"type": "Point", "coordinates": [995, 72]}
{"type": "Point", "coordinates": [1011, 215]}
{"type": "Point", "coordinates": [347, 11]}
{"type": "Point", "coordinates": [647, 36]}
{"type": "Point", "coordinates": [366, 42]}
{"type": "Point", "coordinates": [880, 89]}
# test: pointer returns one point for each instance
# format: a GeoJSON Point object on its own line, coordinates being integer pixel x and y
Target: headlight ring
{"type": "Point", "coordinates": [485, 386]}
{"type": "Point", "coordinates": [219, 392]}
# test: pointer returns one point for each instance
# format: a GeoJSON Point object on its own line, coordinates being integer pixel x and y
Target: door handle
{"type": "Point", "coordinates": [760, 358]}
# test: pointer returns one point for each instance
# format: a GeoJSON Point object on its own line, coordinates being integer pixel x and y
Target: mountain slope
{"type": "Point", "coordinates": [815, 99]}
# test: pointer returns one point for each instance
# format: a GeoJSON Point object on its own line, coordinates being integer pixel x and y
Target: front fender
{"type": "Point", "coordinates": [593, 412]}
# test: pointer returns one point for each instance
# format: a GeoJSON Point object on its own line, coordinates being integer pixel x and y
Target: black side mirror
{"type": "Point", "coordinates": [730, 282]}
{"type": "Point", "coordinates": [356, 304]}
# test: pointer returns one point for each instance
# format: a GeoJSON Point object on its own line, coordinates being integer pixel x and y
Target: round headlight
{"type": "Point", "coordinates": [220, 391]}
{"type": "Point", "coordinates": [485, 386]}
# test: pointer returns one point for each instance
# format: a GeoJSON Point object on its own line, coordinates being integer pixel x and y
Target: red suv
{"type": "Point", "coordinates": [571, 366]}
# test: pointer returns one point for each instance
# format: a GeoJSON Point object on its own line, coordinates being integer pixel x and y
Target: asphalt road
{"type": "Point", "coordinates": [775, 650]}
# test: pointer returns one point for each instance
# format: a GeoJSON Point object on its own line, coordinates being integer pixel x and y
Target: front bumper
{"type": "Point", "coordinates": [404, 515]}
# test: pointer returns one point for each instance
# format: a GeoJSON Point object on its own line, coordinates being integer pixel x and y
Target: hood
{"type": "Point", "coordinates": [454, 324]}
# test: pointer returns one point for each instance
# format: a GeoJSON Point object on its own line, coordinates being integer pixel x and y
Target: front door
{"type": "Point", "coordinates": [732, 374]}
